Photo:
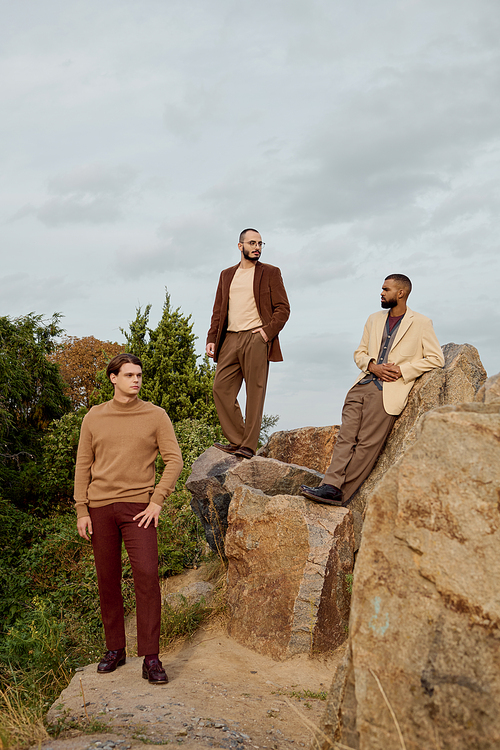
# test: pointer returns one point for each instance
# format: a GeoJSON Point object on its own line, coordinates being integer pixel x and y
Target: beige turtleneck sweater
{"type": "Point", "coordinates": [116, 455]}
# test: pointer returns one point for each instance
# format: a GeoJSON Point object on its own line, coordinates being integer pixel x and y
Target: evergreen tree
{"type": "Point", "coordinates": [31, 396]}
{"type": "Point", "coordinates": [172, 377]}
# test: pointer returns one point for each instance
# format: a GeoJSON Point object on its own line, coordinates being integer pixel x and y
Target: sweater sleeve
{"type": "Point", "coordinates": [84, 460]}
{"type": "Point", "coordinates": [171, 455]}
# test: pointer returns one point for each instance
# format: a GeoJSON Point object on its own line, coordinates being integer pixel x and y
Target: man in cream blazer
{"type": "Point", "coordinates": [397, 347]}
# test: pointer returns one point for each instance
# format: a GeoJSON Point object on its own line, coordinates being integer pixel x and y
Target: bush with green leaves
{"type": "Point", "coordinates": [31, 396]}
{"type": "Point", "coordinates": [60, 444]}
{"type": "Point", "coordinates": [50, 614]}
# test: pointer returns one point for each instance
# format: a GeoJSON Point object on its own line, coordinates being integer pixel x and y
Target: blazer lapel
{"type": "Point", "coordinates": [403, 326]}
{"type": "Point", "coordinates": [379, 330]}
{"type": "Point", "coordinates": [259, 270]}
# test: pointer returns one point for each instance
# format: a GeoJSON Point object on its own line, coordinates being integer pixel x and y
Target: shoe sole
{"type": "Point", "coordinates": [243, 455]}
{"type": "Point", "coordinates": [324, 500]}
{"type": "Point", "coordinates": [229, 450]}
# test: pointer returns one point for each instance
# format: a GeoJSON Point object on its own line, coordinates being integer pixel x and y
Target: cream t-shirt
{"type": "Point", "coordinates": [243, 314]}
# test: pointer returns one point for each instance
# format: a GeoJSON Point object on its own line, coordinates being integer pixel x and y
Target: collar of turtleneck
{"type": "Point", "coordinates": [130, 406]}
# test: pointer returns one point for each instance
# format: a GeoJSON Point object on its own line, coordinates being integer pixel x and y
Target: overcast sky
{"type": "Point", "coordinates": [360, 138]}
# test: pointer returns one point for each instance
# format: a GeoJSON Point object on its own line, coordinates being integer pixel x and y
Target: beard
{"type": "Point", "coordinates": [249, 257]}
{"type": "Point", "coordinates": [389, 304]}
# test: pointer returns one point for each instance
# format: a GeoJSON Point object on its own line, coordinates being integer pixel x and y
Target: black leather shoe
{"type": "Point", "coordinates": [154, 672]}
{"type": "Point", "coordinates": [226, 447]}
{"type": "Point", "coordinates": [325, 493]}
{"type": "Point", "coordinates": [244, 452]}
{"type": "Point", "coordinates": [111, 660]}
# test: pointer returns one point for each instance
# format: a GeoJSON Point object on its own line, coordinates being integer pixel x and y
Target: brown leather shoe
{"type": "Point", "coordinates": [243, 452]}
{"type": "Point", "coordinates": [154, 672]}
{"type": "Point", "coordinates": [226, 447]}
{"type": "Point", "coordinates": [111, 660]}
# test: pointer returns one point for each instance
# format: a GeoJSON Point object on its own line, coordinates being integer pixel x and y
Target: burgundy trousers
{"type": "Point", "coordinates": [111, 524]}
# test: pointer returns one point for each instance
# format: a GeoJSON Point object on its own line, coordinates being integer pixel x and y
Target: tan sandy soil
{"type": "Point", "coordinates": [220, 694]}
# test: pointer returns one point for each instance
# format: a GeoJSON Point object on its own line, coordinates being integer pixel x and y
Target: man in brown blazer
{"type": "Point", "coordinates": [250, 309]}
{"type": "Point", "coordinates": [396, 348]}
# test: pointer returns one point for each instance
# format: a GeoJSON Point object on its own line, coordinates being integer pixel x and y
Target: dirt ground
{"type": "Point", "coordinates": [220, 695]}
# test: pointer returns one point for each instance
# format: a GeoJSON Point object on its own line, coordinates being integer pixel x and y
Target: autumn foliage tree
{"type": "Point", "coordinates": [79, 360]}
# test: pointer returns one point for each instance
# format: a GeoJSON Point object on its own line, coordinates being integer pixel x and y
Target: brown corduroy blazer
{"type": "Point", "coordinates": [272, 305]}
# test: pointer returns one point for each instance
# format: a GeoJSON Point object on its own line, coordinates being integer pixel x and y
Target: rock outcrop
{"type": "Point", "coordinates": [457, 382]}
{"type": "Point", "coordinates": [489, 393]}
{"type": "Point", "coordinates": [288, 567]}
{"type": "Point", "coordinates": [209, 499]}
{"type": "Point", "coordinates": [288, 558]}
{"type": "Point", "coordinates": [215, 475]}
{"type": "Point", "coordinates": [423, 660]}
{"type": "Point", "coordinates": [306, 446]}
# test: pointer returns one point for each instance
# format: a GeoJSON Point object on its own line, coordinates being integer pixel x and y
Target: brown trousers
{"type": "Point", "coordinates": [364, 430]}
{"type": "Point", "coordinates": [110, 525]}
{"type": "Point", "coordinates": [243, 356]}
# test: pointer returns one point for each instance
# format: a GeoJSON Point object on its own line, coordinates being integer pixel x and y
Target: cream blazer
{"type": "Point", "coordinates": [415, 349]}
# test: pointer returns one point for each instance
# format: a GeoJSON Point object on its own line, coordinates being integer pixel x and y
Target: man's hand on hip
{"type": "Point", "coordinates": [262, 333]}
{"type": "Point", "coordinates": [151, 513]}
{"type": "Point", "coordinates": [84, 524]}
{"type": "Point", "coordinates": [388, 373]}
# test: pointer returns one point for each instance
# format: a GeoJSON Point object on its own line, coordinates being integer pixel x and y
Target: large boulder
{"type": "Point", "coordinates": [289, 562]}
{"type": "Point", "coordinates": [306, 446]}
{"type": "Point", "coordinates": [209, 498]}
{"type": "Point", "coordinates": [423, 661]}
{"type": "Point", "coordinates": [215, 475]}
{"type": "Point", "coordinates": [489, 393]}
{"type": "Point", "coordinates": [457, 382]}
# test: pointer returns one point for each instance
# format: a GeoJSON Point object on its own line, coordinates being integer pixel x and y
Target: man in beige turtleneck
{"type": "Point", "coordinates": [251, 307]}
{"type": "Point", "coordinates": [116, 499]}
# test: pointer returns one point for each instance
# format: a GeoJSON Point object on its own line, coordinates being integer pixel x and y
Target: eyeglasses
{"type": "Point", "coordinates": [253, 243]}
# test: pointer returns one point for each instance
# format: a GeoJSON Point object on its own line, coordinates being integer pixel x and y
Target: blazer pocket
{"type": "Point", "coordinates": [406, 353]}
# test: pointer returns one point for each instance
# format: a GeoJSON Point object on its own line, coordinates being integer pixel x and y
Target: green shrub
{"type": "Point", "coordinates": [180, 535]}
{"type": "Point", "coordinates": [60, 444]}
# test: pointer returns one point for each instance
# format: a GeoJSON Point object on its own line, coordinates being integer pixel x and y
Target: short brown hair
{"type": "Point", "coordinates": [115, 364]}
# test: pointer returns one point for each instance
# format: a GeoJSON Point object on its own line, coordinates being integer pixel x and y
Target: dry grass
{"type": "Point", "coordinates": [21, 722]}
{"type": "Point", "coordinates": [183, 621]}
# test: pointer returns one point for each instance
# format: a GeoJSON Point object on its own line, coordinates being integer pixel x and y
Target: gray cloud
{"type": "Point", "coordinates": [92, 194]}
{"type": "Point", "coordinates": [359, 140]}
{"type": "Point", "coordinates": [23, 293]}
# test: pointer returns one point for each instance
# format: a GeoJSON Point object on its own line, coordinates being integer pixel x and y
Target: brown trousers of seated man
{"type": "Point", "coordinates": [364, 430]}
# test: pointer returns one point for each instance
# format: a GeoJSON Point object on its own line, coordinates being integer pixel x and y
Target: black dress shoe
{"type": "Point", "coordinates": [111, 660]}
{"type": "Point", "coordinates": [226, 447]}
{"type": "Point", "coordinates": [154, 672]}
{"type": "Point", "coordinates": [325, 493]}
